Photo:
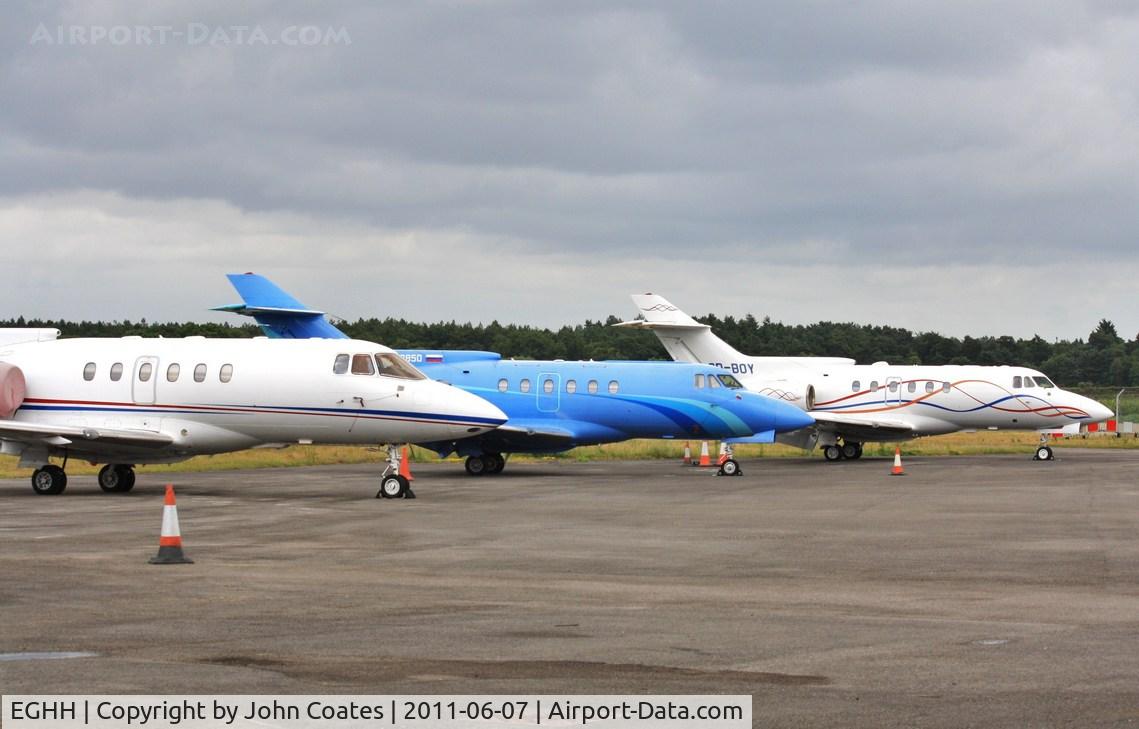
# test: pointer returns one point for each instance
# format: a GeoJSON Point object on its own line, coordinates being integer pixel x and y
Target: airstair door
{"type": "Point", "coordinates": [144, 380]}
{"type": "Point", "coordinates": [549, 392]}
{"type": "Point", "coordinates": [893, 391]}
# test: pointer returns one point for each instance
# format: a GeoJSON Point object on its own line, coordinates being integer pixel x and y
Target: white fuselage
{"type": "Point", "coordinates": [931, 399]}
{"type": "Point", "coordinates": [218, 395]}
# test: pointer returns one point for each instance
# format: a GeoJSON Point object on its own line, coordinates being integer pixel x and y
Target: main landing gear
{"type": "Point", "coordinates": [116, 478]}
{"type": "Point", "coordinates": [49, 479]}
{"type": "Point", "coordinates": [488, 464]}
{"type": "Point", "coordinates": [393, 484]}
{"type": "Point", "coordinates": [847, 450]}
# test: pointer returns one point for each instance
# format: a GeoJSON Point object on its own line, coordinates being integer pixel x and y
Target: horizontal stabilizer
{"type": "Point", "coordinates": [20, 335]}
{"type": "Point", "coordinates": [658, 313]}
{"type": "Point", "coordinates": [245, 310]}
{"type": "Point", "coordinates": [280, 315]}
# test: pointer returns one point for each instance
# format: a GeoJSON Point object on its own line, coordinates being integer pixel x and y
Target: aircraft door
{"type": "Point", "coordinates": [892, 392]}
{"type": "Point", "coordinates": [549, 392]}
{"type": "Point", "coordinates": [144, 380]}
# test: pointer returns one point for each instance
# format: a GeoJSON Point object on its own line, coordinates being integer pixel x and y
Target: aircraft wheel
{"type": "Point", "coordinates": [475, 465]}
{"type": "Point", "coordinates": [852, 451]}
{"type": "Point", "coordinates": [730, 467]}
{"type": "Point", "coordinates": [1043, 453]}
{"type": "Point", "coordinates": [494, 463]}
{"type": "Point", "coordinates": [110, 478]}
{"type": "Point", "coordinates": [49, 480]}
{"type": "Point", "coordinates": [832, 453]}
{"type": "Point", "coordinates": [116, 478]}
{"type": "Point", "coordinates": [393, 487]}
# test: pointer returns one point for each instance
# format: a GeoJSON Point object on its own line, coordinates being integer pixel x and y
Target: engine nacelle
{"type": "Point", "coordinates": [13, 388]}
{"type": "Point", "coordinates": [799, 393]}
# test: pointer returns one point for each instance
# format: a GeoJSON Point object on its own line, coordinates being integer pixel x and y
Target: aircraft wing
{"type": "Point", "coordinates": [862, 429]}
{"type": "Point", "coordinates": [520, 436]}
{"type": "Point", "coordinates": [61, 435]}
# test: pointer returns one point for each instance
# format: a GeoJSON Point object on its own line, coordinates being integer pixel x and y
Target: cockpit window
{"type": "Point", "coordinates": [340, 366]}
{"type": "Point", "coordinates": [362, 365]}
{"type": "Point", "coordinates": [1043, 381]}
{"type": "Point", "coordinates": [1028, 382]}
{"type": "Point", "coordinates": [713, 382]}
{"type": "Point", "coordinates": [1016, 381]}
{"type": "Point", "coordinates": [730, 382]}
{"type": "Point", "coordinates": [395, 366]}
{"type": "Point", "coordinates": [392, 365]}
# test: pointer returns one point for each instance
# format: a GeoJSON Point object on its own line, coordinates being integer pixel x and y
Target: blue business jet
{"type": "Point", "coordinates": [553, 406]}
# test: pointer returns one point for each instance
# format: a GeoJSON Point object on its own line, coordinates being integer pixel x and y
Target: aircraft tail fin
{"type": "Point", "coordinates": [686, 339]}
{"type": "Point", "coordinates": [276, 311]}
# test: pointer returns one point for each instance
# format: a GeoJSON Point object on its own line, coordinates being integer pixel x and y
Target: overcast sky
{"type": "Point", "coordinates": [961, 167]}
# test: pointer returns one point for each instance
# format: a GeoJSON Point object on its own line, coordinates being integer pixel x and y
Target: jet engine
{"type": "Point", "coordinates": [12, 389]}
{"type": "Point", "coordinates": [799, 393]}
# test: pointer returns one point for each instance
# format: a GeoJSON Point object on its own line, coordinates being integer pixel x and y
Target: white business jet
{"type": "Point", "coordinates": [132, 400]}
{"type": "Point", "coordinates": [853, 404]}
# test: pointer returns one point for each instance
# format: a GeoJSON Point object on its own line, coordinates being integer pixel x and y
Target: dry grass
{"type": "Point", "coordinates": [944, 445]}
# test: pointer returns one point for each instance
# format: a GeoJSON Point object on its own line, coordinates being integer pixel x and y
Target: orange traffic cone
{"type": "Point", "coordinates": [897, 469]}
{"type": "Point", "coordinates": [170, 541]}
{"type": "Point", "coordinates": [405, 465]}
{"type": "Point", "coordinates": [687, 454]}
{"type": "Point", "coordinates": [705, 459]}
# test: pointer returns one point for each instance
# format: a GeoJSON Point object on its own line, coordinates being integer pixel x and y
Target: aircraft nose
{"type": "Point", "coordinates": [791, 418]}
{"type": "Point", "coordinates": [769, 413]}
{"type": "Point", "coordinates": [481, 411]}
{"type": "Point", "coordinates": [1098, 411]}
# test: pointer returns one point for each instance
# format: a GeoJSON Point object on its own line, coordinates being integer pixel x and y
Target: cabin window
{"type": "Point", "coordinates": [614, 386]}
{"type": "Point", "coordinates": [548, 387]}
{"type": "Point", "coordinates": [730, 382]}
{"type": "Point", "coordinates": [89, 371]}
{"type": "Point", "coordinates": [856, 386]}
{"type": "Point", "coordinates": [874, 385]}
{"type": "Point", "coordinates": [1029, 382]}
{"type": "Point", "coordinates": [392, 365]}
{"type": "Point", "coordinates": [913, 387]}
{"type": "Point", "coordinates": [929, 385]}
{"type": "Point", "coordinates": [946, 387]}
{"type": "Point", "coordinates": [699, 382]}
{"type": "Point", "coordinates": [173, 371]}
{"type": "Point", "coordinates": [894, 386]}
{"type": "Point", "coordinates": [116, 371]}
{"type": "Point", "coordinates": [571, 386]}
{"type": "Point", "coordinates": [592, 387]}
{"type": "Point", "coordinates": [1016, 382]}
{"type": "Point", "coordinates": [340, 366]}
{"type": "Point", "coordinates": [145, 371]}
{"type": "Point", "coordinates": [225, 374]}
{"type": "Point", "coordinates": [503, 385]}
{"type": "Point", "coordinates": [524, 385]}
{"type": "Point", "coordinates": [362, 365]}
{"type": "Point", "coordinates": [200, 373]}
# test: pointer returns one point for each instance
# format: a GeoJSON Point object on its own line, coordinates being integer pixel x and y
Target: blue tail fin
{"type": "Point", "coordinates": [279, 314]}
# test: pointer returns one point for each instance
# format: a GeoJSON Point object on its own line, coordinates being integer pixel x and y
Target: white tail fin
{"type": "Point", "coordinates": [686, 339]}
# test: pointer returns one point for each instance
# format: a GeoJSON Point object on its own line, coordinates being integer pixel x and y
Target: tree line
{"type": "Point", "coordinates": [1104, 359]}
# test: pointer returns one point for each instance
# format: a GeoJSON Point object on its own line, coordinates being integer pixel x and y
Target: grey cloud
{"type": "Point", "coordinates": [844, 133]}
